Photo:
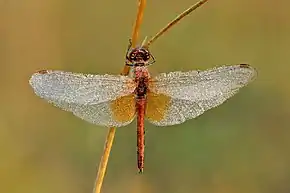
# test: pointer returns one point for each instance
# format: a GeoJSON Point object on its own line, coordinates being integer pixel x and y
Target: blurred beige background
{"type": "Point", "coordinates": [242, 146]}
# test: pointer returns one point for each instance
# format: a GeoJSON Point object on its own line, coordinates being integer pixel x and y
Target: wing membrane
{"type": "Point", "coordinates": [162, 110]}
{"type": "Point", "coordinates": [106, 113]}
{"type": "Point", "coordinates": [78, 88]}
{"type": "Point", "coordinates": [90, 97]}
{"type": "Point", "coordinates": [194, 92]}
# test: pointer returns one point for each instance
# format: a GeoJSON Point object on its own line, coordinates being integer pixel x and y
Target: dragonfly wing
{"type": "Point", "coordinates": [163, 110]}
{"type": "Point", "coordinates": [94, 98]}
{"type": "Point", "coordinates": [192, 93]}
{"type": "Point", "coordinates": [57, 86]}
{"type": "Point", "coordinates": [117, 113]}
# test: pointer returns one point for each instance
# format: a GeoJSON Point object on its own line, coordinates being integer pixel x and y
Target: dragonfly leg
{"type": "Point", "coordinates": [152, 61]}
{"type": "Point", "coordinates": [128, 61]}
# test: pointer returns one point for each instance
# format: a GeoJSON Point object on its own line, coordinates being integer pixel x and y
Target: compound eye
{"type": "Point", "coordinates": [147, 56]}
{"type": "Point", "coordinates": [132, 56]}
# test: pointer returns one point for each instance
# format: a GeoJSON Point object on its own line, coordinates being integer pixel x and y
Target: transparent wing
{"type": "Point", "coordinates": [163, 110]}
{"type": "Point", "coordinates": [80, 88]}
{"type": "Point", "coordinates": [90, 97]}
{"type": "Point", "coordinates": [192, 93]}
{"type": "Point", "coordinates": [116, 113]}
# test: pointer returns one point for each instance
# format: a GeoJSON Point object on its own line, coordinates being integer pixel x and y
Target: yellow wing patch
{"type": "Point", "coordinates": [123, 108]}
{"type": "Point", "coordinates": [157, 106]}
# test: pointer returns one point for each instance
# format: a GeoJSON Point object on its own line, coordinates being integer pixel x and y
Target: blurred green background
{"type": "Point", "coordinates": [242, 146]}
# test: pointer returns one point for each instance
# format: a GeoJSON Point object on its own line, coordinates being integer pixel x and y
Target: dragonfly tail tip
{"type": "Point", "coordinates": [140, 170]}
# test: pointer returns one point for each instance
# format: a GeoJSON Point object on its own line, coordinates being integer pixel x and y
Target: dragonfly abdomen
{"type": "Point", "coordinates": [140, 109]}
{"type": "Point", "coordinates": [141, 78]}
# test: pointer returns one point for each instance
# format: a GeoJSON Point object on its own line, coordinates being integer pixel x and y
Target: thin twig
{"type": "Point", "coordinates": [136, 28]}
{"type": "Point", "coordinates": [110, 137]}
{"type": "Point", "coordinates": [175, 20]}
{"type": "Point", "coordinates": [104, 160]}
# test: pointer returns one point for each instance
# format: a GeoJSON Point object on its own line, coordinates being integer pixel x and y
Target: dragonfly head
{"type": "Point", "coordinates": [139, 56]}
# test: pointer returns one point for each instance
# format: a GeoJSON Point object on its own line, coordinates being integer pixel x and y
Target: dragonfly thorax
{"type": "Point", "coordinates": [141, 89]}
{"type": "Point", "coordinates": [141, 78]}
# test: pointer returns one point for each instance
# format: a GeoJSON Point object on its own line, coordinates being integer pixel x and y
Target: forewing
{"type": "Point", "coordinates": [58, 86]}
{"type": "Point", "coordinates": [89, 97]}
{"type": "Point", "coordinates": [192, 93]}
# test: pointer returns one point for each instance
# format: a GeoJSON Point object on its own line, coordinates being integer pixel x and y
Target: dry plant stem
{"type": "Point", "coordinates": [110, 137]}
{"type": "Point", "coordinates": [174, 21]}
{"type": "Point", "coordinates": [104, 160]}
{"type": "Point", "coordinates": [136, 28]}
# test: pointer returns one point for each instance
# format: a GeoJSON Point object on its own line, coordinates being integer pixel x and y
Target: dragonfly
{"type": "Point", "coordinates": [115, 100]}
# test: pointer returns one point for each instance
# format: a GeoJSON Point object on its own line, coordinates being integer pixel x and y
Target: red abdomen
{"type": "Point", "coordinates": [140, 108]}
